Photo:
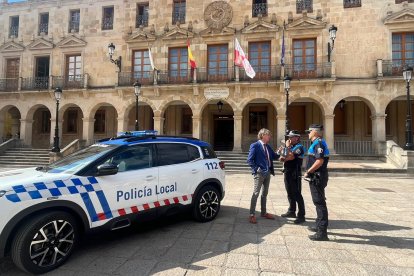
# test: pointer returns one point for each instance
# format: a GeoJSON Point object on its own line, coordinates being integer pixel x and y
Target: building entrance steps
{"type": "Point", "coordinates": [338, 164]}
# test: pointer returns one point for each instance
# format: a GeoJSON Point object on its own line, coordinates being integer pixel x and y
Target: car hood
{"type": "Point", "coordinates": [27, 177]}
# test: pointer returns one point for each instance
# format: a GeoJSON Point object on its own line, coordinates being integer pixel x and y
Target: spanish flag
{"type": "Point", "coordinates": [191, 59]}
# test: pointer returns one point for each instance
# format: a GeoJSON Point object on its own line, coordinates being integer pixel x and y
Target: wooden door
{"type": "Point", "coordinates": [12, 74]}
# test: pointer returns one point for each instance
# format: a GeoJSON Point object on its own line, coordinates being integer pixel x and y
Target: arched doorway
{"type": "Point", "coordinates": [178, 119]}
{"type": "Point", "coordinates": [145, 117]}
{"type": "Point", "coordinates": [105, 124]}
{"type": "Point", "coordinates": [395, 121]}
{"type": "Point", "coordinates": [10, 123]}
{"type": "Point", "coordinates": [41, 128]}
{"type": "Point", "coordinates": [72, 126]}
{"type": "Point", "coordinates": [258, 114]}
{"type": "Point", "coordinates": [218, 125]}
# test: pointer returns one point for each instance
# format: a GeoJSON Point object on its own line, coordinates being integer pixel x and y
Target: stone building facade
{"type": "Point", "coordinates": [358, 94]}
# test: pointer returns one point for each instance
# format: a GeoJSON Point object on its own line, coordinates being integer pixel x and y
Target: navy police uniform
{"type": "Point", "coordinates": [319, 149]}
{"type": "Point", "coordinates": [293, 183]}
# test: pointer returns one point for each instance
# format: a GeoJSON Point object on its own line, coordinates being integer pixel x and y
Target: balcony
{"type": "Point", "coordinates": [392, 68]}
{"type": "Point", "coordinates": [43, 28]}
{"type": "Point", "coordinates": [178, 17]}
{"type": "Point", "coordinates": [36, 83]}
{"type": "Point", "coordinates": [9, 84]}
{"type": "Point", "coordinates": [263, 73]}
{"type": "Point", "coordinates": [260, 8]}
{"type": "Point", "coordinates": [352, 3]}
{"type": "Point", "coordinates": [309, 71]}
{"type": "Point", "coordinates": [128, 78]}
{"type": "Point", "coordinates": [14, 31]}
{"type": "Point", "coordinates": [70, 82]}
{"type": "Point", "coordinates": [142, 20]}
{"type": "Point", "coordinates": [108, 23]}
{"type": "Point", "coordinates": [74, 27]}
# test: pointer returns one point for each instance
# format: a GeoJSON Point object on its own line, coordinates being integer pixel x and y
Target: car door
{"type": "Point", "coordinates": [180, 171]}
{"type": "Point", "coordinates": [132, 189]}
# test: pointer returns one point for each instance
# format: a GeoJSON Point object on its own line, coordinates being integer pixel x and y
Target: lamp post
{"type": "Point", "coordinates": [407, 74]}
{"type": "Point", "coordinates": [137, 92]}
{"type": "Point", "coordinates": [332, 36]}
{"type": "Point", "coordinates": [286, 84]}
{"type": "Point", "coordinates": [118, 61]}
{"type": "Point", "coordinates": [58, 95]}
{"type": "Point", "coordinates": [220, 106]}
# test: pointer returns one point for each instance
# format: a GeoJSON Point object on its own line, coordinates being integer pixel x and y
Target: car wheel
{"type": "Point", "coordinates": [206, 204]}
{"type": "Point", "coordinates": [45, 242]}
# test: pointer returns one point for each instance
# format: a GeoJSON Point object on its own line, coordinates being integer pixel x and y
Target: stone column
{"type": "Point", "coordinates": [379, 68]}
{"type": "Point", "coordinates": [122, 124]}
{"type": "Point", "coordinates": [197, 127]}
{"type": "Point", "coordinates": [159, 124]}
{"type": "Point", "coordinates": [237, 133]}
{"type": "Point", "coordinates": [87, 134]}
{"type": "Point", "coordinates": [52, 131]}
{"type": "Point", "coordinates": [328, 133]}
{"type": "Point", "coordinates": [280, 131]}
{"type": "Point", "coordinates": [26, 131]}
{"type": "Point", "coordinates": [2, 134]}
{"type": "Point", "coordinates": [379, 133]}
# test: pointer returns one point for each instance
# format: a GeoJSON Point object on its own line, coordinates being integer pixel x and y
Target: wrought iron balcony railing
{"type": "Point", "coordinates": [108, 23]}
{"type": "Point", "coordinates": [304, 5]}
{"type": "Point", "coordinates": [36, 83]}
{"type": "Point", "coordinates": [352, 3]}
{"type": "Point", "coordinates": [260, 8]}
{"type": "Point", "coordinates": [43, 28]}
{"type": "Point", "coordinates": [263, 73]}
{"type": "Point", "coordinates": [128, 78]}
{"type": "Point", "coordinates": [74, 26]}
{"type": "Point", "coordinates": [9, 84]}
{"type": "Point", "coordinates": [68, 82]}
{"type": "Point", "coordinates": [394, 67]}
{"type": "Point", "coordinates": [142, 20]}
{"type": "Point", "coordinates": [309, 71]}
{"type": "Point", "coordinates": [14, 31]}
{"type": "Point", "coordinates": [178, 17]}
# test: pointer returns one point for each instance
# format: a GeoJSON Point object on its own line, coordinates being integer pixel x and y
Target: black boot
{"type": "Point", "coordinates": [312, 228]}
{"type": "Point", "coordinates": [299, 220]}
{"type": "Point", "coordinates": [288, 215]}
{"type": "Point", "coordinates": [319, 236]}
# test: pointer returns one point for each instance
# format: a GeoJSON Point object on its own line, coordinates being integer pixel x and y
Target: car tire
{"type": "Point", "coordinates": [206, 204]}
{"type": "Point", "coordinates": [45, 242]}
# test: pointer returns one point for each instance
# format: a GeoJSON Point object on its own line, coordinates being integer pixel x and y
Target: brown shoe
{"type": "Point", "coordinates": [252, 219]}
{"type": "Point", "coordinates": [268, 216]}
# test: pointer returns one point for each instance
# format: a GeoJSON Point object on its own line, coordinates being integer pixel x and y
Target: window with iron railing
{"type": "Point", "coordinates": [178, 64]}
{"type": "Point", "coordinates": [402, 51]}
{"type": "Point", "coordinates": [74, 21]}
{"type": "Point", "coordinates": [14, 26]}
{"type": "Point", "coordinates": [304, 5]}
{"type": "Point", "coordinates": [73, 68]}
{"type": "Point", "coordinates": [401, 1]}
{"type": "Point", "coordinates": [178, 13]}
{"type": "Point", "coordinates": [352, 3]}
{"type": "Point", "coordinates": [43, 23]}
{"type": "Point", "coordinates": [108, 18]}
{"type": "Point", "coordinates": [141, 66]}
{"type": "Point", "coordinates": [259, 7]}
{"type": "Point", "coordinates": [142, 15]}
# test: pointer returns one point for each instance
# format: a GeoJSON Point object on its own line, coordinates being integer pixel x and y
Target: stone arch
{"type": "Point", "coordinates": [317, 99]}
{"type": "Point", "coordinates": [145, 118]}
{"type": "Point", "coordinates": [10, 116]}
{"type": "Point", "coordinates": [204, 103]}
{"type": "Point", "coordinates": [108, 127]}
{"type": "Point", "coordinates": [366, 100]}
{"type": "Point", "coordinates": [162, 107]}
{"type": "Point", "coordinates": [130, 104]}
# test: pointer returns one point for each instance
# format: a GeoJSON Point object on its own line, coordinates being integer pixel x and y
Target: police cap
{"type": "Point", "coordinates": [293, 133]}
{"type": "Point", "coordinates": [314, 127]}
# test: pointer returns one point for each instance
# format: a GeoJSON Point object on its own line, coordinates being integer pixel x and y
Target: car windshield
{"type": "Point", "coordinates": [78, 160]}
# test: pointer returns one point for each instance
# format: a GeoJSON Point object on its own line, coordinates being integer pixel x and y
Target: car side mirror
{"type": "Point", "coordinates": [107, 169]}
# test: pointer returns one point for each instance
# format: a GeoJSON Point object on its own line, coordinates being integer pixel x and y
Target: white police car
{"type": "Point", "coordinates": [134, 176]}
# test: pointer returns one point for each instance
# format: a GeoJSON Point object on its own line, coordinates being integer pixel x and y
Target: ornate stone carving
{"type": "Point", "coordinates": [218, 15]}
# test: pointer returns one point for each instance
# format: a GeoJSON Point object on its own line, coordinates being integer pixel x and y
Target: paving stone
{"type": "Point", "coordinates": [343, 268]}
{"type": "Point", "coordinates": [169, 269]}
{"type": "Point", "coordinates": [133, 266]}
{"type": "Point", "coordinates": [238, 272]}
{"type": "Point", "coordinates": [275, 264]}
{"type": "Point", "coordinates": [105, 264]}
{"type": "Point", "coordinates": [310, 267]}
{"type": "Point", "coordinates": [204, 271]}
{"type": "Point", "coordinates": [242, 261]}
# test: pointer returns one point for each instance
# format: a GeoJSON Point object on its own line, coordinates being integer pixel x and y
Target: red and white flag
{"type": "Point", "coordinates": [240, 59]}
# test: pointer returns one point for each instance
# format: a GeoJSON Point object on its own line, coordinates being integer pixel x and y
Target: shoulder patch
{"type": "Point", "coordinates": [298, 151]}
{"type": "Point", "coordinates": [320, 150]}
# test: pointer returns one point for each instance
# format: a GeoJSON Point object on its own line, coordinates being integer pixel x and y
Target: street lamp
{"type": "Point", "coordinates": [332, 36]}
{"type": "Point", "coordinates": [220, 106]}
{"type": "Point", "coordinates": [407, 74]}
{"type": "Point", "coordinates": [137, 92]}
{"type": "Point", "coordinates": [111, 50]}
{"type": "Point", "coordinates": [58, 96]}
{"type": "Point", "coordinates": [286, 84]}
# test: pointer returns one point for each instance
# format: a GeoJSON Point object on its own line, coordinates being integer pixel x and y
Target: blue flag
{"type": "Point", "coordinates": [282, 58]}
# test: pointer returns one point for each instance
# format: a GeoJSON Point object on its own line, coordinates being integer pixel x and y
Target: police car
{"type": "Point", "coordinates": [135, 176]}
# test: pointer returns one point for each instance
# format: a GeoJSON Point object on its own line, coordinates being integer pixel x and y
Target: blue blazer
{"type": "Point", "coordinates": [257, 158]}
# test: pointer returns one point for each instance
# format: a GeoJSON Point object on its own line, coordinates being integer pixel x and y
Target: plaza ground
{"type": "Point", "coordinates": [371, 233]}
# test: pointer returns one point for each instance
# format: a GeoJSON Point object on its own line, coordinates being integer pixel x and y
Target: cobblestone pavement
{"type": "Point", "coordinates": [371, 232]}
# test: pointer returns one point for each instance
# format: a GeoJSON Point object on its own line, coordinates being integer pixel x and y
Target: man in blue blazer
{"type": "Point", "coordinates": [260, 159]}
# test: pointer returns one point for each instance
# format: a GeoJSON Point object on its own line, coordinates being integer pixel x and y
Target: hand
{"type": "Point", "coordinates": [306, 175]}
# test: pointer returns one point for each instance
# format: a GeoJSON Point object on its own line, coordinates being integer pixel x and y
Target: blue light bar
{"type": "Point", "coordinates": [138, 133]}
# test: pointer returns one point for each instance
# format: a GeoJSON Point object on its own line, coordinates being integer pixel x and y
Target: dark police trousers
{"type": "Point", "coordinates": [293, 185]}
{"type": "Point", "coordinates": [318, 198]}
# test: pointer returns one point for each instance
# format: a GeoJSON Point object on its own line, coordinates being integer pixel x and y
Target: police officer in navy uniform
{"type": "Point", "coordinates": [317, 172]}
{"type": "Point", "coordinates": [292, 176]}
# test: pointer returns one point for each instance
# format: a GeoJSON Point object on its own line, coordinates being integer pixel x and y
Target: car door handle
{"type": "Point", "coordinates": [194, 171]}
{"type": "Point", "coordinates": [149, 177]}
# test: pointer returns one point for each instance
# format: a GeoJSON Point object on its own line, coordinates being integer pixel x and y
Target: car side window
{"type": "Point", "coordinates": [170, 154]}
{"type": "Point", "coordinates": [133, 158]}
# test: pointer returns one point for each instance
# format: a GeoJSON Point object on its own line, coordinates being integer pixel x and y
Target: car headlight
{"type": "Point", "coordinates": [2, 193]}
